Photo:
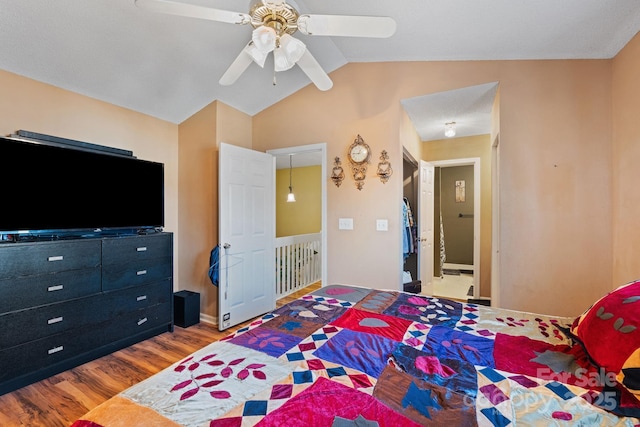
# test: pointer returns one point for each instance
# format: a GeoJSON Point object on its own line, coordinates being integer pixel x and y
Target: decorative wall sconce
{"type": "Point", "coordinates": [384, 167]}
{"type": "Point", "coordinates": [337, 174]}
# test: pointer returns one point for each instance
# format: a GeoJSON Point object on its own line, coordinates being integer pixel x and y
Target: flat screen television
{"type": "Point", "coordinates": [48, 189]}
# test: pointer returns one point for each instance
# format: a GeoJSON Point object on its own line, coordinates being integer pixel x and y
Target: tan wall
{"type": "Point", "coordinates": [198, 210]}
{"type": "Point", "coordinates": [409, 138]}
{"type": "Point", "coordinates": [38, 107]}
{"type": "Point", "coordinates": [555, 133]}
{"type": "Point", "coordinates": [304, 216]}
{"type": "Point", "coordinates": [470, 147]}
{"type": "Point", "coordinates": [362, 256]}
{"type": "Point", "coordinates": [626, 158]}
{"type": "Point", "coordinates": [557, 164]}
{"type": "Point", "coordinates": [200, 137]}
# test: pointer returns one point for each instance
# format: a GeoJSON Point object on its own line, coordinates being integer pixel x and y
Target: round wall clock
{"type": "Point", "coordinates": [359, 154]}
{"type": "Point", "coordinates": [359, 151]}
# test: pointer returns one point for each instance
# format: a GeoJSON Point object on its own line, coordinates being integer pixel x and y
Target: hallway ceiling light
{"type": "Point", "coordinates": [290, 197]}
{"type": "Point", "coordinates": [450, 129]}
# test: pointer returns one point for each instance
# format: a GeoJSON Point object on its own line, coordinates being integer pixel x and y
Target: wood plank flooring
{"type": "Point", "coordinates": [63, 398]}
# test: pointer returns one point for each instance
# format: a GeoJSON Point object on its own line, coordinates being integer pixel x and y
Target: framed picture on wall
{"type": "Point", "coordinates": [460, 196]}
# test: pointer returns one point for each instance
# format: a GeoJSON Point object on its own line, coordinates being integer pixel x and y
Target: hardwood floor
{"type": "Point", "coordinates": [63, 398]}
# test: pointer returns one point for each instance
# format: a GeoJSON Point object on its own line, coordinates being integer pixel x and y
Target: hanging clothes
{"type": "Point", "coordinates": [405, 228]}
{"type": "Point", "coordinates": [409, 230]}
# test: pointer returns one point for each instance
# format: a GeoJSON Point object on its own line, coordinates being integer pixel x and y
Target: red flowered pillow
{"type": "Point", "coordinates": [610, 333]}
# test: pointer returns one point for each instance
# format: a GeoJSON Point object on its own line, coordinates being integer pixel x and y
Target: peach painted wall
{"type": "Point", "coordinates": [626, 163]}
{"type": "Point", "coordinates": [362, 256]}
{"type": "Point", "coordinates": [562, 243]}
{"type": "Point", "coordinates": [198, 160]}
{"type": "Point", "coordinates": [38, 107]}
{"type": "Point", "coordinates": [200, 137]}
{"type": "Point", "coordinates": [555, 133]}
{"type": "Point", "coordinates": [409, 138]}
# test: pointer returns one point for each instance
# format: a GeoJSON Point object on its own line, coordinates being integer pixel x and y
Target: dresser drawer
{"type": "Point", "coordinates": [35, 355]}
{"type": "Point", "coordinates": [124, 275]}
{"type": "Point", "coordinates": [27, 259]}
{"type": "Point", "coordinates": [32, 291]}
{"type": "Point", "coordinates": [120, 302]}
{"type": "Point", "coordinates": [18, 327]}
{"type": "Point", "coordinates": [136, 248]}
{"type": "Point", "coordinates": [138, 321]}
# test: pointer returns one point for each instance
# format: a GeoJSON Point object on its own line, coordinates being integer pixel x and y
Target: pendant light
{"type": "Point", "coordinates": [290, 197]}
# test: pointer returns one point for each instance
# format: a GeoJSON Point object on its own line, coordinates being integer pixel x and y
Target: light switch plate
{"type": "Point", "coordinates": [345, 223]}
{"type": "Point", "coordinates": [382, 225]}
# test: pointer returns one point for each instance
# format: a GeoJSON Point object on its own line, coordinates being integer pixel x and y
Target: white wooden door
{"type": "Point", "coordinates": [425, 225]}
{"type": "Point", "coordinates": [246, 215]}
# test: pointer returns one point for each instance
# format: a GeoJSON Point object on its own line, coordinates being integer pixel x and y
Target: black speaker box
{"type": "Point", "coordinates": [186, 308]}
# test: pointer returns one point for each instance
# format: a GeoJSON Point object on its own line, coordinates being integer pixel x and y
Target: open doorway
{"type": "Point", "coordinates": [455, 264]}
{"type": "Point", "coordinates": [453, 126]}
{"type": "Point", "coordinates": [411, 251]}
{"type": "Point", "coordinates": [300, 242]}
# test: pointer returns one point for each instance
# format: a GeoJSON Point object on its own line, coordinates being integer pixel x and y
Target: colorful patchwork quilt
{"type": "Point", "coordinates": [351, 356]}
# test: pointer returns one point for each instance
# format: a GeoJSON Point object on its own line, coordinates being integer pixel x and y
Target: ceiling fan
{"type": "Point", "coordinates": [274, 22]}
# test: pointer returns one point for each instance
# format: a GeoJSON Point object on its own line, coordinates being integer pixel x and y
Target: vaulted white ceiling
{"type": "Point", "coordinates": [169, 66]}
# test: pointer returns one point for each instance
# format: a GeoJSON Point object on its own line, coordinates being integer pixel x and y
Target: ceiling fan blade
{"type": "Point", "coordinates": [237, 67]}
{"type": "Point", "coordinates": [314, 71]}
{"type": "Point", "coordinates": [193, 11]}
{"type": "Point", "coordinates": [347, 26]}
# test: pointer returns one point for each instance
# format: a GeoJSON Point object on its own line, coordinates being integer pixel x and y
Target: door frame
{"type": "Point", "coordinates": [495, 222]}
{"type": "Point", "coordinates": [475, 162]}
{"type": "Point", "coordinates": [322, 148]}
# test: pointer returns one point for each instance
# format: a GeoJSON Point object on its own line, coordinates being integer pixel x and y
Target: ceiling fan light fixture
{"type": "Point", "coordinates": [258, 56]}
{"type": "Point", "coordinates": [264, 39]}
{"type": "Point", "coordinates": [276, 5]}
{"type": "Point", "coordinates": [273, 19]}
{"type": "Point", "coordinates": [288, 53]}
{"type": "Point", "coordinates": [450, 129]}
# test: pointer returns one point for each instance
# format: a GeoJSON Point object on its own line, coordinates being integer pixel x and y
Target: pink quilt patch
{"type": "Point", "coordinates": [431, 365]}
{"type": "Point", "coordinates": [363, 321]}
{"type": "Point", "coordinates": [562, 363]}
{"type": "Point", "coordinates": [325, 400]}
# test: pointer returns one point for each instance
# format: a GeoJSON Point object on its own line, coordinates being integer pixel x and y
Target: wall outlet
{"type": "Point", "coordinates": [345, 224]}
{"type": "Point", "coordinates": [382, 225]}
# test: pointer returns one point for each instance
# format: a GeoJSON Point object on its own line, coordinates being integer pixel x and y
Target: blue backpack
{"type": "Point", "coordinates": [214, 264]}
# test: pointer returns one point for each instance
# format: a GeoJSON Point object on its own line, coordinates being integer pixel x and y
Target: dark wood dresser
{"type": "Point", "coordinates": [66, 302]}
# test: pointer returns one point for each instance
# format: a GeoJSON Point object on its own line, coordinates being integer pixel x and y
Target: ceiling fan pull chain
{"type": "Point", "coordinates": [274, 76]}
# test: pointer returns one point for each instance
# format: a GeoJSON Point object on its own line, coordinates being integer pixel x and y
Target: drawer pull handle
{"type": "Point", "coordinates": [141, 321]}
{"type": "Point", "coordinates": [141, 272]}
{"type": "Point", "coordinates": [141, 249]}
{"type": "Point", "coordinates": [55, 349]}
{"type": "Point", "coordinates": [55, 258]}
{"type": "Point", "coordinates": [55, 288]}
{"type": "Point", "coordinates": [141, 298]}
{"type": "Point", "coordinates": [54, 320]}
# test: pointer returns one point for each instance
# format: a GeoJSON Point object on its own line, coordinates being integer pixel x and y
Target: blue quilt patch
{"type": "Point", "coordinates": [357, 350]}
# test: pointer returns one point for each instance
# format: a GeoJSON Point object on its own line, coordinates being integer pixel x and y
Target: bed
{"type": "Point", "coordinates": [352, 356]}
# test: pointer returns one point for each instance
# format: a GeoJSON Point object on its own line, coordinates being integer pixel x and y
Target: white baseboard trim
{"type": "Point", "coordinates": [205, 318]}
